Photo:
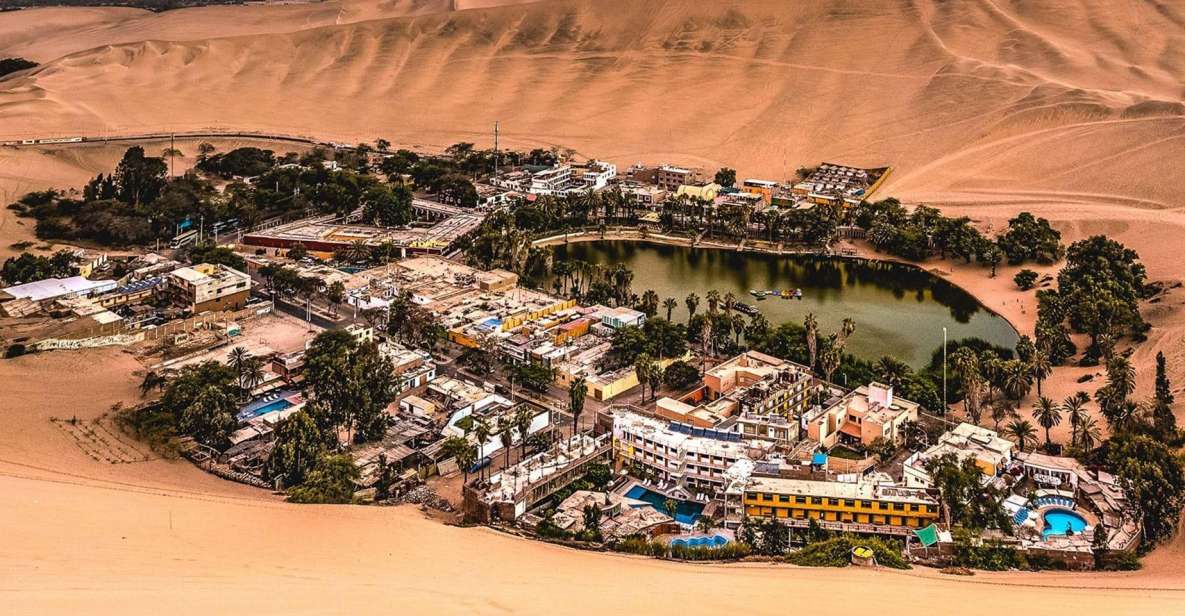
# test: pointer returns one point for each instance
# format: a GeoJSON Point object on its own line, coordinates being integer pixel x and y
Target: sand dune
{"type": "Point", "coordinates": [1072, 109]}
{"type": "Point", "coordinates": [128, 536]}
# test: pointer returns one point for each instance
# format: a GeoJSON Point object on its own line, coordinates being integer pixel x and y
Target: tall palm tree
{"type": "Point", "coordinates": [1089, 434]}
{"type": "Point", "coordinates": [670, 304]}
{"type": "Point", "coordinates": [506, 435]}
{"type": "Point", "coordinates": [1023, 432]}
{"type": "Point", "coordinates": [846, 329]}
{"type": "Point", "coordinates": [966, 364]}
{"type": "Point", "coordinates": [1075, 407]}
{"type": "Point", "coordinates": [713, 300]}
{"type": "Point", "coordinates": [522, 426]}
{"type": "Point", "coordinates": [237, 360]}
{"type": "Point", "coordinates": [730, 301]}
{"type": "Point", "coordinates": [252, 373]}
{"type": "Point", "coordinates": [1017, 379]}
{"type": "Point", "coordinates": [891, 370]}
{"type": "Point", "coordinates": [692, 302]}
{"type": "Point", "coordinates": [1041, 367]}
{"type": "Point", "coordinates": [811, 329]}
{"type": "Point", "coordinates": [738, 326]}
{"type": "Point", "coordinates": [577, 392]}
{"type": "Point", "coordinates": [1047, 415]}
{"type": "Point", "coordinates": [481, 431]}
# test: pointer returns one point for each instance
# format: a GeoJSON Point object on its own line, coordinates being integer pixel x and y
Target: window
{"type": "Point", "coordinates": [866, 504]}
{"type": "Point", "coordinates": [783, 498]}
{"type": "Point", "coordinates": [849, 503]}
{"type": "Point", "coordinates": [800, 500]}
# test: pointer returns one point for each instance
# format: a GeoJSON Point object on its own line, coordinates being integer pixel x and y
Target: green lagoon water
{"type": "Point", "coordinates": [898, 310]}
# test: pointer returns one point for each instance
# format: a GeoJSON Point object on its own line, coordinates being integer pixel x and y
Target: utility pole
{"type": "Point", "coordinates": [172, 154]}
{"type": "Point", "coordinates": [495, 148]}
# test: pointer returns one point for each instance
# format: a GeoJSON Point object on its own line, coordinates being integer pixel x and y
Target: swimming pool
{"type": "Point", "coordinates": [1057, 521]}
{"type": "Point", "coordinates": [685, 512]}
{"type": "Point", "coordinates": [714, 541]}
{"type": "Point", "coordinates": [256, 409]}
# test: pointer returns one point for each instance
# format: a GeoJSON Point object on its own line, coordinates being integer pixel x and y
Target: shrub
{"type": "Point", "coordinates": [641, 545]}
{"type": "Point", "coordinates": [837, 552]}
{"type": "Point", "coordinates": [1119, 561]}
{"type": "Point", "coordinates": [1025, 279]}
{"type": "Point", "coordinates": [15, 350]}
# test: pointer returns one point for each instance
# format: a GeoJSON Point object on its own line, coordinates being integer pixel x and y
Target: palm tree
{"type": "Point", "coordinates": [481, 431]}
{"type": "Point", "coordinates": [966, 364]}
{"type": "Point", "coordinates": [152, 380]}
{"type": "Point", "coordinates": [832, 356]}
{"type": "Point", "coordinates": [252, 373]}
{"type": "Point", "coordinates": [1023, 432]}
{"type": "Point", "coordinates": [1075, 407]}
{"type": "Point", "coordinates": [1041, 367]}
{"type": "Point", "coordinates": [1047, 415]}
{"type": "Point", "coordinates": [670, 304]}
{"type": "Point", "coordinates": [576, 394]}
{"type": "Point", "coordinates": [1089, 434]}
{"type": "Point", "coordinates": [692, 302]}
{"type": "Point", "coordinates": [713, 300]}
{"type": "Point", "coordinates": [237, 360]}
{"type": "Point", "coordinates": [1000, 412]}
{"type": "Point", "coordinates": [650, 303]}
{"type": "Point", "coordinates": [505, 426]}
{"type": "Point", "coordinates": [738, 326]}
{"type": "Point", "coordinates": [846, 329]}
{"type": "Point", "coordinates": [891, 370]}
{"type": "Point", "coordinates": [643, 364]}
{"type": "Point", "coordinates": [1017, 379]}
{"type": "Point", "coordinates": [730, 301]}
{"type": "Point", "coordinates": [811, 327]}
{"type": "Point", "coordinates": [522, 426]}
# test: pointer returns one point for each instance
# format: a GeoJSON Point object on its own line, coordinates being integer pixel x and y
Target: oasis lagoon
{"type": "Point", "coordinates": [899, 310]}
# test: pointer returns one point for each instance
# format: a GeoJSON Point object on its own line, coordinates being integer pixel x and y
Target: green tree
{"type": "Point", "coordinates": [1025, 279]}
{"type": "Point", "coordinates": [670, 304]}
{"type": "Point", "coordinates": [577, 392]}
{"type": "Point", "coordinates": [465, 453]}
{"type": "Point", "coordinates": [1163, 420]}
{"type": "Point", "coordinates": [298, 447]}
{"type": "Point", "coordinates": [331, 481]}
{"type": "Point", "coordinates": [1048, 414]}
{"type": "Point", "coordinates": [1153, 482]}
{"type": "Point", "coordinates": [210, 417]}
{"type": "Point", "coordinates": [643, 366]}
{"type": "Point", "coordinates": [692, 302]}
{"type": "Point", "coordinates": [353, 382]}
{"type": "Point", "coordinates": [726, 177]}
{"type": "Point", "coordinates": [1023, 432]}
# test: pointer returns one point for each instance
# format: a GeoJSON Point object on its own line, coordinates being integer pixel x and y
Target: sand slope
{"type": "Point", "coordinates": [128, 537]}
{"type": "Point", "coordinates": [1070, 108]}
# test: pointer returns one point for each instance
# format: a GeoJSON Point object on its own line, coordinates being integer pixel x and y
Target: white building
{"type": "Point", "coordinates": [990, 452]}
{"type": "Point", "coordinates": [680, 457]}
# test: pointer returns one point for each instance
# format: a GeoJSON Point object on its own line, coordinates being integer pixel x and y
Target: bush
{"type": "Point", "coordinates": [1119, 561]}
{"type": "Point", "coordinates": [153, 425]}
{"type": "Point", "coordinates": [837, 552]}
{"type": "Point", "coordinates": [15, 350]}
{"type": "Point", "coordinates": [657, 549]}
{"type": "Point", "coordinates": [1025, 279]}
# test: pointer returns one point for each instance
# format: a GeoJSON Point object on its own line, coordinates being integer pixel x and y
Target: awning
{"type": "Point", "coordinates": [928, 535]}
{"type": "Point", "coordinates": [851, 429]}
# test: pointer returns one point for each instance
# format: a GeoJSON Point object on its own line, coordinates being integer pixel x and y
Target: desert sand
{"type": "Point", "coordinates": [1071, 109]}
{"type": "Point", "coordinates": [132, 535]}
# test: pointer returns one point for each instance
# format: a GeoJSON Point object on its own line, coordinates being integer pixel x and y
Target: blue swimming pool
{"type": "Point", "coordinates": [685, 513]}
{"type": "Point", "coordinates": [1057, 521]}
{"type": "Point", "coordinates": [700, 542]}
{"type": "Point", "coordinates": [258, 408]}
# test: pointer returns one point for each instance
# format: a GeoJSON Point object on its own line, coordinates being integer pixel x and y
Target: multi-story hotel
{"type": "Point", "coordinates": [680, 455]}
{"type": "Point", "coordinates": [857, 507]}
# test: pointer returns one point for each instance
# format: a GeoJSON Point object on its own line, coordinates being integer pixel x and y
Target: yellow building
{"type": "Point", "coordinates": [794, 501]}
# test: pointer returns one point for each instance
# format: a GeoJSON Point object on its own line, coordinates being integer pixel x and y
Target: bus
{"type": "Point", "coordinates": [184, 239]}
